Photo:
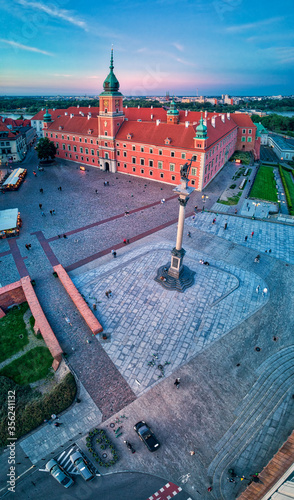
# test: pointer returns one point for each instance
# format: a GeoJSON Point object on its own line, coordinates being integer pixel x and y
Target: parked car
{"type": "Point", "coordinates": [58, 473]}
{"type": "Point", "coordinates": [146, 435]}
{"type": "Point", "coordinates": [78, 461]}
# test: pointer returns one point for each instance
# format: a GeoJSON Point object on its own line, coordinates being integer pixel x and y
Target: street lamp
{"type": "Point", "coordinates": [176, 276]}
{"type": "Point", "coordinates": [256, 205]}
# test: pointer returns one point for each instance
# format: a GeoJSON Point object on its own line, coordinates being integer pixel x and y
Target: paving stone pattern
{"type": "Point", "coordinates": [142, 318]}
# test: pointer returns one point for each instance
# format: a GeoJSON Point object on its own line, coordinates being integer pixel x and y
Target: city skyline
{"type": "Point", "coordinates": [213, 48]}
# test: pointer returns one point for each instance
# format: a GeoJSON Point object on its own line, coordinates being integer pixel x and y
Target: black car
{"type": "Point", "coordinates": [145, 433]}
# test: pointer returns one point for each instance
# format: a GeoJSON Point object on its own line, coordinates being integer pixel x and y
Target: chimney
{"type": "Point", "coordinates": [89, 106]}
{"type": "Point", "coordinates": [205, 114]}
{"type": "Point", "coordinates": [152, 107]}
{"type": "Point", "coordinates": [151, 117]}
{"type": "Point", "coordinates": [54, 109]}
{"type": "Point", "coordinates": [78, 106]}
{"type": "Point", "coordinates": [71, 115]}
{"type": "Point", "coordinates": [228, 116]}
{"type": "Point", "coordinates": [89, 116]}
{"type": "Point", "coordinates": [139, 106]}
{"type": "Point", "coordinates": [213, 121]}
{"type": "Point", "coordinates": [187, 124]}
{"type": "Point", "coordinates": [126, 106]}
{"type": "Point", "coordinates": [66, 113]}
{"type": "Point", "coordinates": [205, 122]}
{"type": "Point", "coordinates": [157, 122]}
{"type": "Point", "coordinates": [186, 112]}
{"type": "Point", "coordinates": [223, 117]}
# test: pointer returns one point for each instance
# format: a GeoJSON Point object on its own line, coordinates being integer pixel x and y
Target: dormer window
{"type": "Point", "coordinates": [129, 136]}
{"type": "Point", "coordinates": [117, 110]}
{"type": "Point", "coordinates": [105, 111]}
{"type": "Point", "coordinates": [60, 127]}
{"type": "Point", "coordinates": [90, 131]}
{"type": "Point", "coordinates": [167, 140]}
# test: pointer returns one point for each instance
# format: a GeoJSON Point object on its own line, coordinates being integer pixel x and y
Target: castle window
{"type": "Point", "coordinates": [86, 151]}
{"type": "Point", "coordinates": [151, 151]}
{"type": "Point", "coordinates": [92, 152]}
{"type": "Point", "coordinates": [68, 147]}
{"type": "Point", "coordinates": [244, 131]}
{"type": "Point", "coordinates": [57, 145]}
{"type": "Point", "coordinates": [142, 162]}
{"type": "Point", "coordinates": [56, 136]}
{"type": "Point", "coordinates": [118, 164]}
{"type": "Point", "coordinates": [160, 164]}
{"type": "Point", "coordinates": [142, 150]}
{"type": "Point", "coordinates": [134, 148]}
{"type": "Point", "coordinates": [106, 144]}
{"type": "Point", "coordinates": [62, 137]}
{"type": "Point", "coordinates": [77, 157]}
{"type": "Point", "coordinates": [193, 182]}
{"type": "Point", "coordinates": [194, 171]}
{"type": "Point", "coordinates": [97, 152]}
{"type": "Point", "coordinates": [172, 167]}
{"type": "Point", "coordinates": [82, 158]}
{"type": "Point", "coordinates": [125, 165]}
{"type": "Point", "coordinates": [161, 176]}
{"type": "Point", "coordinates": [86, 140]}
{"type": "Point", "coordinates": [73, 138]}
{"type": "Point", "coordinates": [173, 178]}
{"type": "Point", "coordinates": [142, 170]}
{"type": "Point", "coordinates": [194, 158]}
{"type": "Point", "coordinates": [183, 156]}
{"type": "Point", "coordinates": [106, 156]}
{"type": "Point", "coordinates": [51, 135]}
{"type": "Point", "coordinates": [80, 139]}
{"type": "Point", "coordinates": [172, 153]}
{"type": "Point", "coordinates": [150, 172]}
{"type": "Point", "coordinates": [118, 152]}
{"type": "Point", "coordinates": [125, 153]}
{"type": "Point", "coordinates": [243, 139]}
{"type": "Point", "coordinates": [91, 141]}
{"type": "Point", "coordinates": [133, 159]}
{"type": "Point", "coordinates": [67, 137]}
{"type": "Point", "coordinates": [134, 169]}
{"type": "Point", "coordinates": [124, 145]}
{"type": "Point", "coordinates": [249, 139]}
{"type": "Point", "coordinates": [250, 131]}
{"type": "Point", "coordinates": [63, 146]}
{"type": "Point", "coordinates": [150, 163]}
{"type": "Point", "coordinates": [74, 148]}
{"type": "Point", "coordinates": [105, 133]}
{"type": "Point", "coordinates": [81, 150]}
{"type": "Point", "coordinates": [160, 152]}
{"type": "Point", "coordinates": [105, 111]}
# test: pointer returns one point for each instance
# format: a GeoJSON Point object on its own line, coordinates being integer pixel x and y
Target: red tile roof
{"type": "Point", "coordinates": [55, 113]}
{"type": "Point", "coordinates": [147, 132]}
{"type": "Point", "coordinates": [3, 128]}
{"type": "Point", "coordinates": [243, 120]}
{"type": "Point", "coordinates": [77, 124]}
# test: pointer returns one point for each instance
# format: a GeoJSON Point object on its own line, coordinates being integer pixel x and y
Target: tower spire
{"type": "Point", "coordinates": [111, 60]}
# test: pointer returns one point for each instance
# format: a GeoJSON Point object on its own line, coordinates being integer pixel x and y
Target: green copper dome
{"type": "Point", "coordinates": [173, 110]}
{"type": "Point", "coordinates": [111, 83]}
{"type": "Point", "coordinates": [201, 130]}
{"type": "Point", "coordinates": [47, 117]}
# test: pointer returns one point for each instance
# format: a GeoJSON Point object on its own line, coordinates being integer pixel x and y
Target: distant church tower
{"type": "Point", "coordinates": [173, 114]}
{"type": "Point", "coordinates": [110, 118]}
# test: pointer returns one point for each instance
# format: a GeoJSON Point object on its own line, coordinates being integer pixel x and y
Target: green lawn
{"type": "Point", "coordinates": [13, 333]}
{"type": "Point", "coordinates": [32, 366]}
{"type": "Point", "coordinates": [264, 187]}
{"type": "Point", "coordinates": [234, 200]}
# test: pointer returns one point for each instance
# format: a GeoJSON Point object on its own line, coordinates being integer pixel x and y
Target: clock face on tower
{"type": "Point", "coordinates": [105, 103]}
{"type": "Point", "coordinates": [117, 103]}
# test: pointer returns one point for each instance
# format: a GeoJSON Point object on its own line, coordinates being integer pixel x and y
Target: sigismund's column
{"type": "Point", "coordinates": [177, 253]}
{"type": "Point", "coordinates": [176, 276]}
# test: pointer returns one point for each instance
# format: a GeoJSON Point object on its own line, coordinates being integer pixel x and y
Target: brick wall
{"type": "Point", "coordinates": [78, 300]}
{"type": "Point", "coordinates": [10, 295]}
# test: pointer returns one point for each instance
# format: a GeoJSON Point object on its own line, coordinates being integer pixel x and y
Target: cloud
{"type": "Point", "coordinates": [178, 46]}
{"type": "Point", "coordinates": [63, 76]}
{"type": "Point", "coordinates": [253, 26]}
{"type": "Point", "coordinates": [282, 55]}
{"type": "Point", "coordinates": [20, 46]}
{"type": "Point", "coordinates": [56, 12]}
{"type": "Point", "coordinates": [271, 37]}
{"type": "Point", "coordinates": [183, 61]}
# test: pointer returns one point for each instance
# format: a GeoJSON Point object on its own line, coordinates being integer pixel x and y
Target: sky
{"type": "Point", "coordinates": [184, 47]}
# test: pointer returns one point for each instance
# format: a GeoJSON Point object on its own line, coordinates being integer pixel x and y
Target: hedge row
{"type": "Point", "coordinates": [289, 198]}
{"type": "Point", "coordinates": [31, 408]}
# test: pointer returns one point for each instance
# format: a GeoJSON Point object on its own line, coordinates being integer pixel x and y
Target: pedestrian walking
{"type": "Point", "coordinates": [65, 236]}
{"type": "Point", "coordinates": [125, 241]}
{"type": "Point", "coordinates": [264, 291]}
{"type": "Point", "coordinates": [236, 210]}
{"type": "Point", "coordinates": [35, 173]}
{"type": "Point", "coordinates": [195, 208]}
{"type": "Point", "coordinates": [226, 225]}
{"type": "Point", "coordinates": [96, 191]}
{"type": "Point", "coordinates": [40, 205]}
{"type": "Point", "coordinates": [189, 234]}
{"type": "Point", "coordinates": [209, 489]}
{"type": "Point", "coordinates": [60, 188]}
{"type": "Point", "coordinates": [192, 453]}
{"type": "Point", "coordinates": [57, 424]}
{"type": "Point", "coordinates": [50, 212]}
{"type": "Point", "coordinates": [252, 234]}
{"type": "Point", "coordinates": [27, 246]}
{"type": "Point", "coordinates": [53, 416]}
{"type": "Point", "coordinates": [231, 480]}
{"type": "Point", "coordinates": [107, 294]}
{"type": "Point", "coordinates": [213, 222]}
{"type": "Point", "coordinates": [113, 253]}
{"type": "Point", "coordinates": [128, 241]}
{"type": "Point", "coordinates": [257, 289]}
{"type": "Point", "coordinates": [110, 293]}
{"type": "Point", "coordinates": [41, 190]}
{"type": "Point", "coordinates": [53, 212]}
{"type": "Point", "coordinates": [177, 383]}
{"type": "Point", "coordinates": [246, 237]}
{"type": "Point", "coordinates": [43, 214]}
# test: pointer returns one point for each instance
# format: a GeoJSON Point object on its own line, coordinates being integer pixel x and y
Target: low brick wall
{"type": "Point", "coordinates": [11, 295]}
{"type": "Point", "coordinates": [78, 300]}
{"type": "Point", "coordinates": [41, 321]}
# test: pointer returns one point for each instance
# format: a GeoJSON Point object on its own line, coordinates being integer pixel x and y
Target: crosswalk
{"type": "Point", "coordinates": [63, 458]}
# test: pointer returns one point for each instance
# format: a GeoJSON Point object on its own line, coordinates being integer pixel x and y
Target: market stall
{"type": "Point", "coordinates": [10, 222]}
{"type": "Point", "coordinates": [15, 179]}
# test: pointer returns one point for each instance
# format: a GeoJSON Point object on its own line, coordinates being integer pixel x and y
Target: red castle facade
{"type": "Point", "coordinates": [148, 142]}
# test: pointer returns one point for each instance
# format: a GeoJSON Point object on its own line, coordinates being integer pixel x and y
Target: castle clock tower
{"type": "Point", "coordinates": [110, 118]}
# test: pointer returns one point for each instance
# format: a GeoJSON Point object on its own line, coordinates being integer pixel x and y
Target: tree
{"type": "Point", "coordinates": [46, 149]}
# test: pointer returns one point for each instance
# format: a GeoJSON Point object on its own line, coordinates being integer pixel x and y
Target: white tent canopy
{"type": "Point", "coordinates": [14, 176]}
{"type": "Point", "coordinates": [8, 219]}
